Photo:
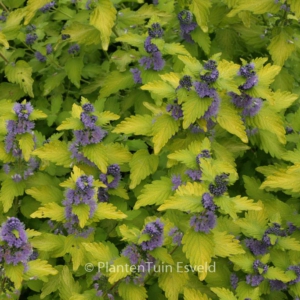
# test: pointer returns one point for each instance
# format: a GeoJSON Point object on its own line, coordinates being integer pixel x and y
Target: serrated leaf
{"type": "Point", "coordinates": [53, 81]}
{"type": "Point", "coordinates": [26, 143]}
{"type": "Point", "coordinates": [103, 18]}
{"type": "Point", "coordinates": [45, 193]}
{"type": "Point", "coordinates": [70, 123]}
{"type": "Point", "coordinates": [32, 7]}
{"type": "Point", "coordinates": [244, 261]}
{"type": "Point", "coordinates": [96, 153]}
{"type": "Point", "coordinates": [283, 100]}
{"type": "Point", "coordinates": [163, 129]}
{"type": "Point", "coordinates": [82, 33]}
{"type": "Point", "coordinates": [135, 40]}
{"type": "Point", "coordinates": [105, 117]}
{"type": "Point", "coordinates": [172, 78]}
{"type": "Point", "coordinates": [50, 210]}
{"type": "Point", "coordinates": [81, 210]}
{"type": "Point", "coordinates": [229, 119]}
{"type": "Point", "coordinates": [226, 244]}
{"type": "Point", "coordinates": [138, 125]}
{"type": "Point", "coordinates": [56, 152]}
{"type": "Point", "coordinates": [223, 294]}
{"type": "Point", "coordinates": [288, 243]}
{"type": "Point", "coordinates": [199, 249]}
{"type": "Point", "coordinates": [163, 255]}
{"type": "Point", "coordinates": [108, 211]}
{"type": "Point", "coordinates": [187, 198]}
{"type": "Point", "coordinates": [37, 114]}
{"type": "Point", "coordinates": [172, 281]}
{"type": "Point", "coordinates": [15, 274]}
{"type": "Point", "coordinates": [193, 294]}
{"type": "Point", "coordinates": [142, 165]}
{"type": "Point", "coordinates": [200, 8]}
{"type": "Point", "coordinates": [116, 81]}
{"type": "Point", "coordinates": [119, 269]}
{"type": "Point", "coordinates": [4, 156]}
{"type": "Point", "coordinates": [9, 191]}
{"type": "Point", "coordinates": [280, 47]}
{"type": "Point", "coordinates": [117, 154]}
{"type": "Point", "coordinates": [99, 252]}
{"type": "Point", "coordinates": [155, 193]}
{"type": "Point", "coordinates": [192, 65]}
{"type": "Point", "coordinates": [129, 234]}
{"type": "Point", "coordinates": [175, 48]}
{"type": "Point", "coordinates": [129, 291]}
{"type": "Point", "coordinates": [73, 68]}
{"type": "Point", "coordinates": [202, 39]}
{"type": "Point", "coordinates": [39, 269]}
{"type": "Point", "coordinates": [3, 40]}
{"type": "Point", "coordinates": [243, 203]}
{"type": "Point", "coordinates": [276, 273]}
{"type": "Point", "coordinates": [295, 7]}
{"type": "Point", "coordinates": [20, 73]}
{"type": "Point", "coordinates": [159, 89]}
{"type": "Point", "coordinates": [67, 285]}
{"type": "Point", "coordinates": [194, 108]}
{"type": "Point", "coordinates": [48, 242]}
{"type": "Point", "coordinates": [184, 156]}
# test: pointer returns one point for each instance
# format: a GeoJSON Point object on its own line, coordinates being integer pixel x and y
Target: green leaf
{"type": "Point", "coordinates": [15, 274]}
{"type": "Point", "coordinates": [245, 290]}
{"type": "Point", "coordinates": [48, 242]}
{"type": "Point", "coordinates": [283, 100]}
{"type": "Point", "coordinates": [105, 117]}
{"type": "Point", "coordinates": [45, 193]}
{"type": "Point", "coordinates": [200, 8]}
{"type": "Point", "coordinates": [9, 191]}
{"type": "Point", "coordinates": [186, 198]}
{"type": "Point", "coordinates": [119, 269]}
{"type": "Point", "coordinates": [107, 211]}
{"type": "Point", "coordinates": [50, 210]}
{"type": "Point", "coordinates": [192, 65]}
{"type": "Point", "coordinates": [281, 46]}
{"type": "Point", "coordinates": [73, 68]}
{"type": "Point", "coordinates": [288, 243]}
{"type": "Point", "coordinates": [130, 291]}
{"type": "Point", "coordinates": [70, 123]}
{"type": "Point", "coordinates": [175, 48]}
{"type": "Point", "coordinates": [138, 125]}
{"type": "Point", "coordinates": [202, 39]}
{"type": "Point", "coordinates": [20, 73]}
{"type": "Point", "coordinates": [99, 252]}
{"type": "Point", "coordinates": [116, 81]}
{"type": "Point", "coordinates": [117, 154]}
{"type": "Point", "coordinates": [81, 210]}
{"type": "Point", "coordinates": [159, 89]}
{"type": "Point", "coordinates": [295, 7]}
{"type": "Point", "coordinates": [53, 81]}
{"type": "Point", "coordinates": [40, 269]}
{"type": "Point", "coordinates": [244, 261]}
{"type": "Point", "coordinates": [67, 285]}
{"type": "Point", "coordinates": [3, 40]}
{"type": "Point", "coordinates": [4, 156]}
{"type": "Point", "coordinates": [276, 273]}
{"type": "Point", "coordinates": [163, 255]}
{"type": "Point", "coordinates": [223, 293]}
{"type": "Point", "coordinates": [32, 7]}
{"type": "Point", "coordinates": [82, 33]}
{"type": "Point", "coordinates": [103, 18]}
{"type": "Point", "coordinates": [194, 108]}
{"type": "Point", "coordinates": [226, 244]}
{"type": "Point", "coordinates": [229, 119]}
{"type": "Point", "coordinates": [26, 143]}
{"type": "Point", "coordinates": [142, 165]}
{"type": "Point", "coordinates": [193, 294]}
{"type": "Point", "coordinates": [199, 249]}
{"type": "Point", "coordinates": [56, 152]}
{"type": "Point", "coordinates": [155, 193]}
{"type": "Point", "coordinates": [96, 153]}
{"type": "Point", "coordinates": [163, 129]}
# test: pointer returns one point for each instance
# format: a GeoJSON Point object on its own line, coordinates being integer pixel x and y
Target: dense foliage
{"type": "Point", "coordinates": [149, 150]}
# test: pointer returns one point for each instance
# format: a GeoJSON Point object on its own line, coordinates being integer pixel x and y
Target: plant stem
{"type": "Point", "coordinates": [4, 58]}
{"type": "Point", "coordinates": [4, 7]}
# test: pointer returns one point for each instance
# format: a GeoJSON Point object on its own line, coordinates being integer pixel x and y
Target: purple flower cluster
{"type": "Point", "coordinates": [194, 174]}
{"type": "Point", "coordinates": [15, 247]}
{"type": "Point", "coordinates": [74, 49]}
{"type": "Point", "coordinates": [49, 49]}
{"type": "Point", "coordinates": [208, 202]}
{"type": "Point", "coordinates": [39, 56]}
{"type": "Point", "coordinates": [212, 73]}
{"type": "Point", "coordinates": [277, 285]}
{"type": "Point", "coordinates": [155, 59]}
{"type": "Point", "coordinates": [248, 72]}
{"type": "Point", "coordinates": [185, 82]}
{"type": "Point", "coordinates": [30, 38]}
{"type": "Point", "coordinates": [176, 181]}
{"type": "Point", "coordinates": [296, 269]}
{"type": "Point", "coordinates": [177, 235]}
{"type": "Point", "coordinates": [203, 222]}
{"type": "Point", "coordinates": [101, 286]}
{"type": "Point", "coordinates": [14, 128]}
{"type": "Point", "coordinates": [155, 230]}
{"type": "Point", "coordinates": [220, 186]}
{"type": "Point", "coordinates": [251, 106]}
{"type": "Point", "coordinates": [203, 90]}
{"type": "Point", "coordinates": [254, 280]}
{"type": "Point", "coordinates": [91, 134]}
{"type": "Point", "coordinates": [259, 265]}
{"type": "Point", "coordinates": [175, 109]}
{"type": "Point", "coordinates": [204, 153]}
{"type": "Point", "coordinates": [47, 7]}
{"type": "Point", "coordinates": [187, 25]}
{"type": "Point", "coordinates": [234, 280]}
{"type": "Point", "coordinates": [136, 75]}
{"type": "Point", "coordinates": [132, 251]}
{"type": "Point", "coordinates": [3, 16]}
{"type": "Point", "coordinates": [83, 194]}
